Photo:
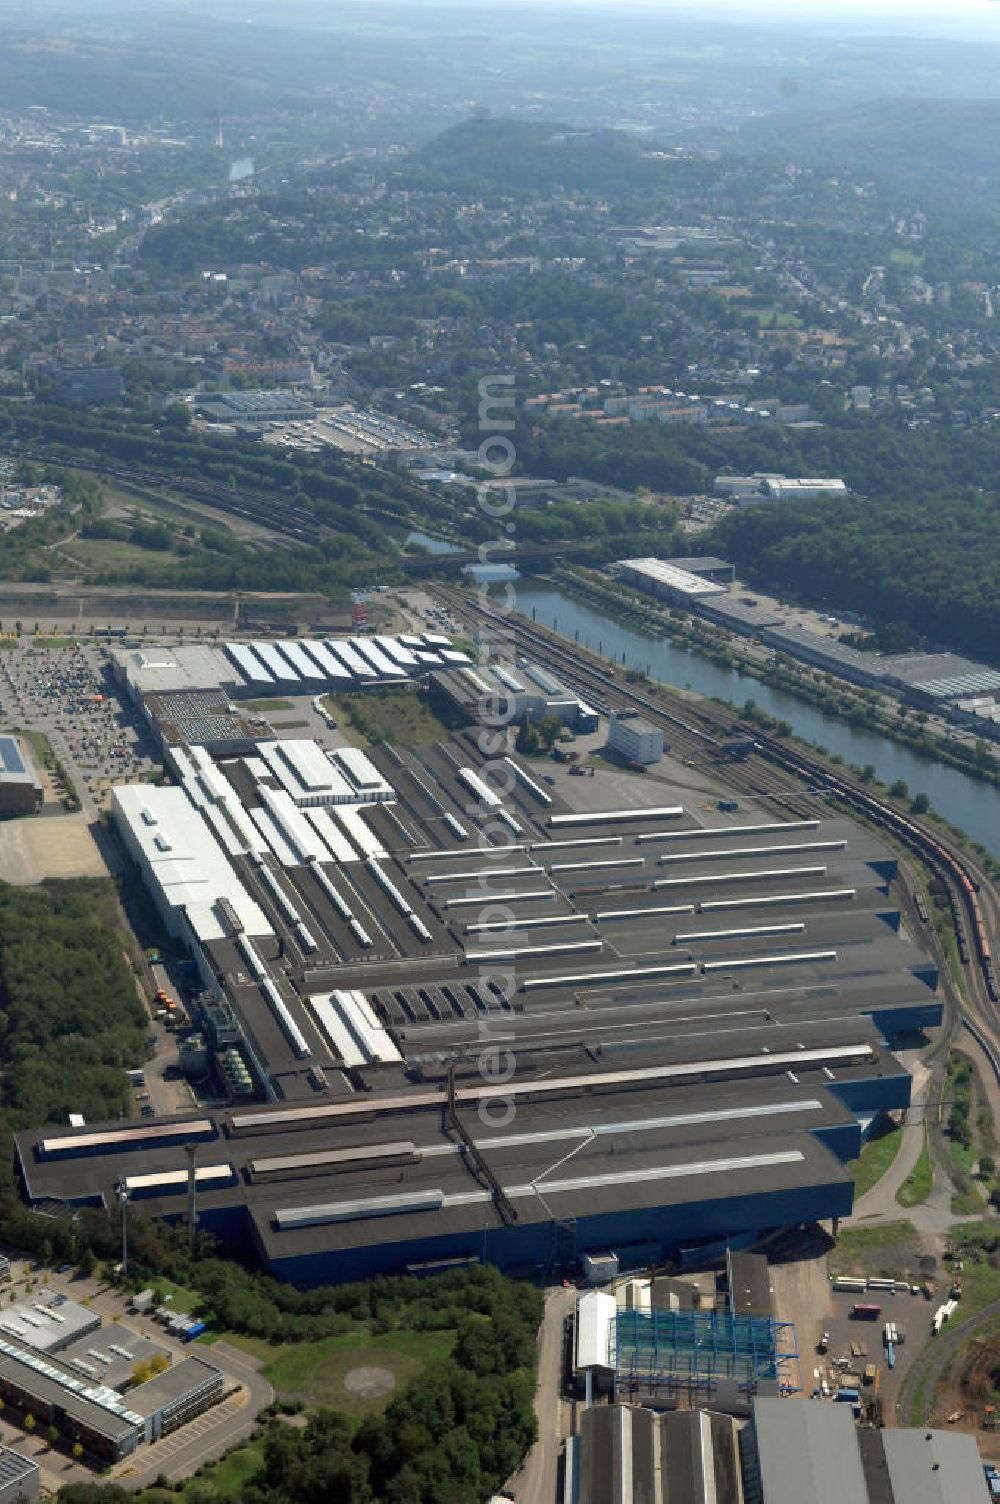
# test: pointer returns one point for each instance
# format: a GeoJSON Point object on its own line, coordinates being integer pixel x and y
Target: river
{"type": "Point", "coordinates": [966, 802]}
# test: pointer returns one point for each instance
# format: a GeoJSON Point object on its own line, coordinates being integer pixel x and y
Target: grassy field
{"type": "Point", "coordinates": [315, 1371]}
{"type": "Point", "coordinates": [220, 1480]}
{"type": "Point", "coordinates": [266, 705]}
{"type": "Point", "coordinates": [395, 716]}
{"type": "Point", "coordinates": [39, 744]}
{"type": "Point", "coordinates": [918, 1184]}
{"type": "Point", "coordinates": [886, 1249]}
{"type": "Point", "coordinates": [964, 1156]}
{"type": "Point", "coordinates": [877, 1156]}
{"type": "Point", "coordinates": [980, 1281]}
{"type": "Point", "coordinates": [767, 318]}
{"type": "Point", "coordinates": [98, 554]}
{"type": "Point", "coordinates": [181, 1299]}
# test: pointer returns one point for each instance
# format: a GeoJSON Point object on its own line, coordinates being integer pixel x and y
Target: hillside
{"type": "Point", "coordinates": [541, 156]}
{"type": "Point", "coordinates": [949, 144]}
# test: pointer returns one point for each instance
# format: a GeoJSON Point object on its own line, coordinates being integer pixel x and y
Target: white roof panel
{"type": "Point", "coordinates": [248, 663]}
{"type": "Point", "coordinates": [331, 835]}
{"type": "Point", "coordinates": [190, 867]}
{"type": "Point", "coordinates": [360, 770]}
{"type": "Point", "coordinates": [327, 663]}
{"type": "Point", "coordinates": [357, 665]}
{"type": "Point", "coordinates": [368, 649]}
{"type": "Point", "coordinates": [275, 837]}
{"type": "Point", "coordinates": [275, 663]}
{"type": "Point", "coordinates": [299, 660]}
{"type": "Point", "coordinates": [394, 648]}
{"type": "Point", "coordinates": [595, 1320]}
{"type": "Point", "coordinates": [349, 818]}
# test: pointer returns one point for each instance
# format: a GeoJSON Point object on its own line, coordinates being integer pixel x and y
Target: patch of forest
{"type": "Point", "coordinates": [70, 1017]}
{"type": "Point", "coordinates": [928, 566]}
{"type": "Point", "coordinates": [916, 544]}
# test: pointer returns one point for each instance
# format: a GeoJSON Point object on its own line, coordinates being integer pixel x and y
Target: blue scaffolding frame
{"type": "Point", "coordinates": [666, 1351]}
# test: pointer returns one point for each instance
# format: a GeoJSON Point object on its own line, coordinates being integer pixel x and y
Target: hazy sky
{"type": "Point", "coordinates": [945, 11]}
{"type": "Point", "coordinates": [942, 14]}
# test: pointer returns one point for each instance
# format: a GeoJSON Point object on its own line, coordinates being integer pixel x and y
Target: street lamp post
{"type": "Point", "coordinates": [121, 1192]}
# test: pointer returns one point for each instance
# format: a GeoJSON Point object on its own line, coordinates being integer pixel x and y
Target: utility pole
{"type": "Point", "coordinates": [191, 1150]}
{"type": "Point", "coordinates": [121, 1192]}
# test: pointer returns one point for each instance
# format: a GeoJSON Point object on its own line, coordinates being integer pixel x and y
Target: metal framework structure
{"type": "Point", "coordinates": [666, 1352]}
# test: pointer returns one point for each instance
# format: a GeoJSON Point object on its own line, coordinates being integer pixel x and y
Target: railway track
{"type": "Point", "coordinates": [777, 771]}
{"type": "Point", "coordinates": [283, 518]}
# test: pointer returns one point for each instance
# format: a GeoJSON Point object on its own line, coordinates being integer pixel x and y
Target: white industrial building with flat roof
{"type": "Point", "coordinates": [183, 864]}
{"type": "Point", "coordinates": [291, 665]}
{"type": "Point", "coordinates": [667, 581]}
{"type": "Point", "coordinates": [766, 485]}
{"type": "Point", "coordinates": [154, 670]}
{"type": "Point", "coordinates": [634, 739]}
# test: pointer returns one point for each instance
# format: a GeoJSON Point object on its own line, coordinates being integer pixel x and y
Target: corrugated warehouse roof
{"type": "Point", "coordinates": [934, 1467]}
{"type": "Point", "coordinates": [184, 859]}
{"type": "Point", "coordinates": [808, 1452]}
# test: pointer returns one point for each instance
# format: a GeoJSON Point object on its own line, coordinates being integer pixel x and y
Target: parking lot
{"type": "Point", "coordinates": [855, 1343]}
{"type": "Point", "coordinates": [67, 694]}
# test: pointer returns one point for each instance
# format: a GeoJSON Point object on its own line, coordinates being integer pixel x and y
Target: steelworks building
{"type": "Point", "coordinates": [483, 1025]}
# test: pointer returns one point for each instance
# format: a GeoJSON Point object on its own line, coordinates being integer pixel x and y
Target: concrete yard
{"type": "Point", "coordinates": [52, 846]}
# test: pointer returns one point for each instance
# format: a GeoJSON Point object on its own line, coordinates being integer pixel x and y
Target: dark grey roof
{"type": "Point", "coordinates": [808, 1452]}
{"type": "Point", "coordinates": [629, 1455]}
{"type": "Point", "coordinates": [188, 1376]}
{"type": "Point", "coordinates": [749, 1284]}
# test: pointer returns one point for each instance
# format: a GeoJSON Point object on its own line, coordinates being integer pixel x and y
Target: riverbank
{"type": "Point", "coordinates": [670, 649]}
{"type": "Point", "coordinates": [861, 708]}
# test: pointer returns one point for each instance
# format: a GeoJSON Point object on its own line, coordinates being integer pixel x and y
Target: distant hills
{"type": "Point", "coordinates": [947, 144]}
{"type": "Point", "coordinates": [540, 156]}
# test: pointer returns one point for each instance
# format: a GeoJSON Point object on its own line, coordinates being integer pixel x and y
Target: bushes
{"type": "Point", "coordinates": [451, 1437]}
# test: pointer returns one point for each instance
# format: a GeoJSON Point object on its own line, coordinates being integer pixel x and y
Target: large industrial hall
{"type": "Point", "coordinates": [463, 1014]}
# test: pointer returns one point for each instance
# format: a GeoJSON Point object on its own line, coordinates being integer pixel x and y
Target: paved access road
{"type": "Point", "coordinates": [535, 1483]}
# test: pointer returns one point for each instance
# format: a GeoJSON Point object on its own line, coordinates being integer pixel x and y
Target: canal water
{"type": "Point", "coordinates": [966, 802]}
{"type": "Point", "coordinates": [429, 544]}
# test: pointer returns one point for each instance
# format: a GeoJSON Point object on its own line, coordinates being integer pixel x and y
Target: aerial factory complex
{"type": "Point", "coordinates": [460, 1017]}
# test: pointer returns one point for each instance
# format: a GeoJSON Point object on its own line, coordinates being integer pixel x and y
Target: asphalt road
{"type": "Point", "coordinates": [535, 1483]}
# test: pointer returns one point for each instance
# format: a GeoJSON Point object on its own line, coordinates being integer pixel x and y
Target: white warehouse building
{"type": "Point", "coordinates": [184, 868]}
{"type": "Point", "coordinates": [634, 739]}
